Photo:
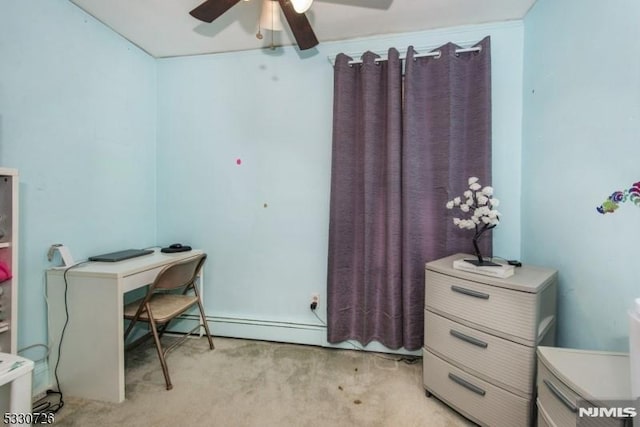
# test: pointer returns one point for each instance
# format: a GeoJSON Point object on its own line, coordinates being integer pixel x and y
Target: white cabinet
{"type": "Point", "coordinates": [9, 257]}
{"type": "Point", "coordinates": [569, 379]}
{"type": "Point", "coordinates": [481, 334]}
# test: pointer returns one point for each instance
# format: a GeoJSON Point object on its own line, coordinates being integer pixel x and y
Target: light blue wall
{"type": "Point", "coordinates": [580, 143]}
{"type": "Point", "coordinates": [78, 119]}
{"type": "Point", "coordinates": [273, 111]}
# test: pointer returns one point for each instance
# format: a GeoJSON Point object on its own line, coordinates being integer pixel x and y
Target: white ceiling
{"type": "Point", "coordinates": [164, 28]}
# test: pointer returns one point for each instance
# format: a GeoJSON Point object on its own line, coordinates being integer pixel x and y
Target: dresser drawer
{"type": "Point", "coordinates": [505, 312]}
{"type": "Point", "coordinates": [502, 362]}
{"type": "Point", "coordinates": [543, 417]}
{"type": "Point", "coordinates": [478, 400]}
{"type": "Point", "coordinates": [560, 402]}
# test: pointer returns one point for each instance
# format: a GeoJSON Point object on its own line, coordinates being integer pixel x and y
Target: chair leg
{"type": "Point", "coordinates": [161, 329]}
{"type": "Point", "coordinates": [204, 323]}
{"type": "Point", "coordinates": [163, 362]}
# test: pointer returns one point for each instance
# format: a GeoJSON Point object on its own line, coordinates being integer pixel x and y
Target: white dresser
{"type": "Point", "coordinates": [569, 379]}
{"type": "Point", "coordinates": [481, 334]}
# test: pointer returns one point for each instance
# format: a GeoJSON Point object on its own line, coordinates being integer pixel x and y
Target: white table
{"type": "Point", "coordinates": [17, 371]}
{"type": "Point", "coordinates": [92, 356]}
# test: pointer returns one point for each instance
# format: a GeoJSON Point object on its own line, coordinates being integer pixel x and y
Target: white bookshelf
{"type": "Point", "coordinates": [9, 255]}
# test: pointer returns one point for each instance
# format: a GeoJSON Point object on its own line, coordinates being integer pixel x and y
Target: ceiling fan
{"type": "Point", "coordinates": [293, 12]}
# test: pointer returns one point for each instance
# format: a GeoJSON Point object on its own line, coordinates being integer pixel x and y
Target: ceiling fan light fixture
{"type": "Point", "coordinates": [270, 18]}
{"type": "Point", "coordinates": [301, 6]}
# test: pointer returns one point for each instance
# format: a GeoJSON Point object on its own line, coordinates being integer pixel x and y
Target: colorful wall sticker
{"type": "Point", "coordinates": [613, 202]}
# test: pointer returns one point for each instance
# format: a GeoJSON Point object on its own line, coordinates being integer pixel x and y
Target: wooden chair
{"type": "Point", "coordinates": [168, 297]}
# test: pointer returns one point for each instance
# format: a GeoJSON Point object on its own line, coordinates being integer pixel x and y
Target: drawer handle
{"type": "Point", "coordinates": [467, 338]}
{"type": "Point", "coordinates": [469, 292]}
{"type": "Point", "coordinates": [564, 399]}
{"type": "Point", "coordinates": [466, 384]}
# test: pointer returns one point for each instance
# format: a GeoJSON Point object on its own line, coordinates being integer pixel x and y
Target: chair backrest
{"type": "Point", "coordinates": [179, 274]}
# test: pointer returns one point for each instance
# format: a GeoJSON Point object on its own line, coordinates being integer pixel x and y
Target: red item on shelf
{"type": "Point", "coordinates": [5, 272]}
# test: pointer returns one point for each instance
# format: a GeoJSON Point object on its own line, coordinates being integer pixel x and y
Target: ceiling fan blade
{"type": "Point", "coordinates": [300, 26]}
{"type": "Point", "coordinates": [211, 9]}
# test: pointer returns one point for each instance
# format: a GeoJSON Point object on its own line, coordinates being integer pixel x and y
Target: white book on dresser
{"type": "Point", "coordinates": [502, 270]}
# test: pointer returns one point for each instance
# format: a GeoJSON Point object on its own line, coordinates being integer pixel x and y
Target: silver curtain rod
{"type": "Point", "coordinates": [435, 53]}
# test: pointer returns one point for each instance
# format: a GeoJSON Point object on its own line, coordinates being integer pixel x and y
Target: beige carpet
{"type": "Point", "coordinates": [256, 383]}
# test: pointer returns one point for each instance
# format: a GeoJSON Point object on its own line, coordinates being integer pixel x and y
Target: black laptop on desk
{"type": "Point", "coordinates": [121, 255]}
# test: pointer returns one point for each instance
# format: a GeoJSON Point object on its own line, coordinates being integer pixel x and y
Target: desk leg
{"type": "Point", "coordinates": [92, 355]}
{"type": "Point", "coordinates": [20, 400]}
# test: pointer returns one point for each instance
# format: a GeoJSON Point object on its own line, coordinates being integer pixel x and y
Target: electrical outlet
{"type": "Point", "coordinates": [315, 301]}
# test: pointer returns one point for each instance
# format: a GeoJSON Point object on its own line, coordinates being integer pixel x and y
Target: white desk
{"type": "Point", "coordinates": [92, 357]}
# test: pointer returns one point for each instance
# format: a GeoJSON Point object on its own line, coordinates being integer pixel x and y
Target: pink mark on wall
{"type": "Point", "coordinates": [238, 162]}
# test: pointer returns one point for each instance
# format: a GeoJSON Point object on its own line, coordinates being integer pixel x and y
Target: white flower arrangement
{"type": "Point", "coordinates": [481, 203]}
{"type": "Point", "coordinates": [478, 201]}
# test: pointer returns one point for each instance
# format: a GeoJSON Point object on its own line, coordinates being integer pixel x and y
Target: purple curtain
{"type": "Point", "coordinates": [400, 151]}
